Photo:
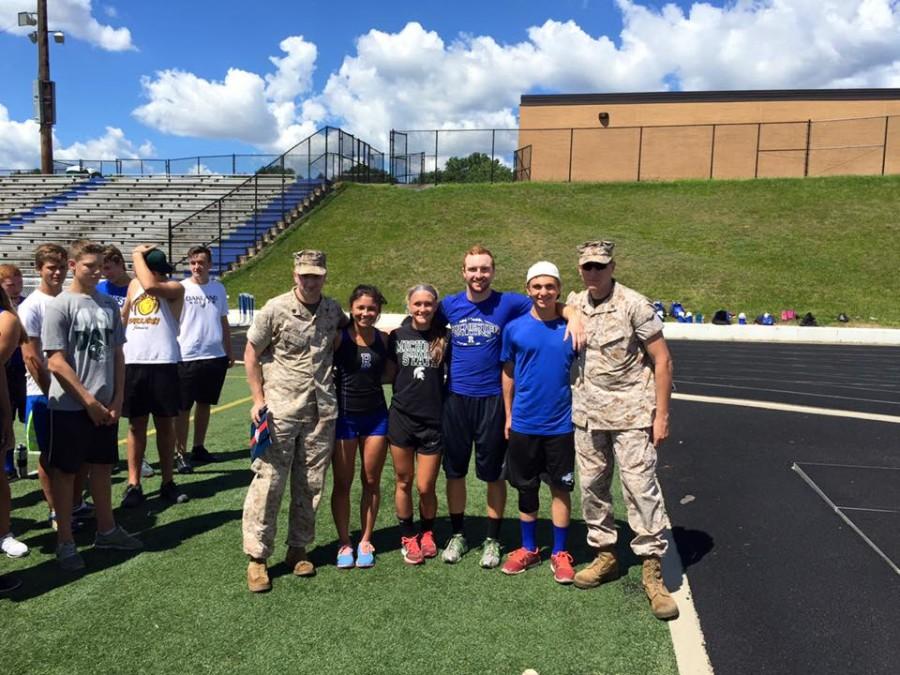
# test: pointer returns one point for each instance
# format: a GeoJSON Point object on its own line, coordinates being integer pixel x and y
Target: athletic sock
{"type": "Point", "coordinates": [407, 529]}
{"type": "Point", "coordinates": [560, 535]}
{"type": "Point", "coordinates": [529, 529]}
{"type": "Point", "coordinates": [493, 528]}
{"type": "Point", "coordinates": [427, 524]}
{"type": "Point", "coordinates": [456, 522]}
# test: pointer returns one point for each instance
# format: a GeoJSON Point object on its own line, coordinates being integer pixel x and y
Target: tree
{"type": "Point", "coordinates": [476, 168]}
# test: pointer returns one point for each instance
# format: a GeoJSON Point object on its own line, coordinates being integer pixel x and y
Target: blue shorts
{"type": "Point", "coordinates": [37, 419]}
{"type": "Point", "coordinates": [365, 424]}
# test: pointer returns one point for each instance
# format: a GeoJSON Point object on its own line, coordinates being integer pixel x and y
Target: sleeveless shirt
{"type": "Point", "coordinates": [359, 369]}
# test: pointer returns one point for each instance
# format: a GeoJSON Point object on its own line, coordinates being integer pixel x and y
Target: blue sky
{"type": "Point", "coordinates": [172, 79]}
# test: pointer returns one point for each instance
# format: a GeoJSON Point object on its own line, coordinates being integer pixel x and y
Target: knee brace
{"type": "Point", "coordinates": [529, 502]}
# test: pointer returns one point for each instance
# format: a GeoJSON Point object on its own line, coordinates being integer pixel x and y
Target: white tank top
{"type": "Point", "coordinates": [151, 333]}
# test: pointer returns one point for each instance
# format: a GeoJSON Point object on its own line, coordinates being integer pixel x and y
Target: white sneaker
{"type": "Point", "coordinates": [12, 547]}
{"type": "Point", "coordinates": [146, 469]}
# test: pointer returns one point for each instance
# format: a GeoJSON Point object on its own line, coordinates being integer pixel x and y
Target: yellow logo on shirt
{"type": "Point", "coordinates": [146, 304]}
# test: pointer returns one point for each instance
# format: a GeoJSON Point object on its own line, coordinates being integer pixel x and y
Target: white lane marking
{"type": "Point", "coordinates": [850, 466]}
{"type": "Point", "coordinates": [687, 635]}
{"type": "Point", "coordinates": [788, 407]}
{"type": "Point", "coordinates": [790, 391]}
{"type": "Point", "coordinates": [811, 483]}
{"type": "Point", "coordinates": [861, 508]}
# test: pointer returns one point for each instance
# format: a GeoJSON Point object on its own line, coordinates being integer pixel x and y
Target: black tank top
{"type": "Point", "coordinates": [358, 370]}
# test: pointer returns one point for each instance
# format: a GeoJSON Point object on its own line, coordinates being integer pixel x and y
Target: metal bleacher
{"type": "Point", "coordinates": [232, 213]}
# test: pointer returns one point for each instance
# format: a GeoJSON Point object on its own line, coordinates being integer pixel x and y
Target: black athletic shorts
{"type": "Point", "coordinates": [201, 381]}
{"type": "Point", "coordinates": [531, 458]}
{"type": "Point", "coordinates": [151, 388]}
{"type": "Point", "coordinates": [410, 432]}
{"type": "Point", "coordinates": [74, 441]}
{"type": "Point", "coordinates": [481, 421]}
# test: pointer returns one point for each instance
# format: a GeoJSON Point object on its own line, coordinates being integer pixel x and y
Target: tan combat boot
{"type": "Point", "coordinates": [661, 603]}
{"type": "Point", "coordinates": [604, 568]}
{"type": "Point", "coordinates": [298, 561]}
{"type": "Point", "coordinates": [258, 577]}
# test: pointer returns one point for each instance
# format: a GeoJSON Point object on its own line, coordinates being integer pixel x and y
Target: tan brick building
{"type": "Point", "coordinates": [709, 134]}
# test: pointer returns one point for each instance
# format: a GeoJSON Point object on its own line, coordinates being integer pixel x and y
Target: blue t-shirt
{"type": "Point", "coordinates": [542, 404]}
{"type": "Point", "coordinates": [476, 331]}
{"type": "Point", "coordinates": [118, 293]}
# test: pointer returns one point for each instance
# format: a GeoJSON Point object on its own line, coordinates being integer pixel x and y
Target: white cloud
{"type": "Point", "coordinates": [183, 104]}
{"type": "Point", "coordinates": [73, 17]}
{"type": "Point", "coordinates": [111, 145]}
{"type": "Point", "coordinates": [415, 78]}
{"type": "Point", "coordinates": [293, 73]}
{"type": "Point", "coordinates": [20, 145]}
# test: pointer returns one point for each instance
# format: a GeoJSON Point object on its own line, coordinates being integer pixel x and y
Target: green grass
{"type": "Point", "coordinates": [825, 245]}
{"type": "Point", "coordinates": [182, 604]}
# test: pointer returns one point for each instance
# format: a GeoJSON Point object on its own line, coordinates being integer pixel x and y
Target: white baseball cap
{"type": "Point", "coordinates": [542, 269]}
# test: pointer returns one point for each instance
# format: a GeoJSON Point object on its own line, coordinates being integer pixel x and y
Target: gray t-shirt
{"type": "Point", "coordinates": [88, 328]}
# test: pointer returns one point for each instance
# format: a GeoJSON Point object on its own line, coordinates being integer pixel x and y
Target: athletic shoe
{"type": "Point", "coordinates": [345, 558]}
{"type": "Point", "coordinates": [146, 470]}
{"type": "Point", "coordinates": [77, 525]}
{"type": "Point", "coordinates": [365, 554]}
{"type": "Point", "coordinates": [12, 547]}
{"type": "Point", "coordinates": [170, 492]}
{"type": "Point", "coordinates": [426, 542]}
{"type": "Point", "coordinates": [8, 584]}
{"type": "Point", "coordinates": [490, 554]}
{"type": "Point", "coordinates": [68, 557]}
{"type": "Point", "coordinates": [134, 496]}
{"type": "Point", "coordinates": [200, 455]}
{"type": "Point", "coordinates": [85, 510]}
{"type": "Point", "coordinates": [182, 464]}
{"type": "Point", "coordinates": [455, 549]}
{"type": "Point", "coordinates": [412, 552]}
{"type": "Point", "coordinates": [12, 474]}
{"type": "Point", "coordinates": [116, 468]}
{"type": "Point", "coordinates": [118, 540]}
{"type": "Point", "coordinates": [561, 566]}
{"type": "Point", "coordinates": [520, 560]}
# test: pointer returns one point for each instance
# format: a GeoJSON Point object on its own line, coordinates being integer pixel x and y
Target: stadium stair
{"type": "Point", "coordinates": [52, 204]}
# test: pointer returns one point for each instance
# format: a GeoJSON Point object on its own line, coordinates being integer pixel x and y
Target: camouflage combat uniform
{"type": "Point", "coordinates": [296, 359]}
{"type": "Point", "coordinates": [613, 403]}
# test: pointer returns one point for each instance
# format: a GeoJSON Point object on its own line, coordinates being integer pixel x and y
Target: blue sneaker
{"type": "Point", "coordinates": [365, 554]}
{"type": "Point", "coordinates": [345, 557]}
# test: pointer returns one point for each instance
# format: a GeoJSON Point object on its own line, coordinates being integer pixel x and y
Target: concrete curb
{"type": "Point", "coordinates": [733, 333]}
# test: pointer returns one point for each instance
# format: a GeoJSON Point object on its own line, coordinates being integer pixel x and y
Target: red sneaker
{"type": "Point", "coordinates": [561, 566]}
{"type": "Point", "coordinates": [520, 560]}
{"type": "Point", "coordinates": [412, 552]}
{"type": "Point", "coordinates": [426, 541]}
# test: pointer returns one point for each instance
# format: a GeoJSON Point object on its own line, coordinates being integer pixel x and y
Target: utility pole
{"type": "Point", "coordinates": [46, 93]}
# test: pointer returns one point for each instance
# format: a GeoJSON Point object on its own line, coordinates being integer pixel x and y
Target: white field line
{"type": "Point", "coordinates": [812, 484]}
{"type": "Point", "coordinates": [685, 631]}
{"type": "Point", "coordinates": [788, 407]}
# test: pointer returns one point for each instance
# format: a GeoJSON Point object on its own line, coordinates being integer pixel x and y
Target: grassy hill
{"type": "Point", "coordinates": [825, 245]}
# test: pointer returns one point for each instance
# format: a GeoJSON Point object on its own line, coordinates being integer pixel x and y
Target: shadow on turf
{"type": "Point", "coordinates": [46, 576]}
{"type": "Point", "coordinates": [387, 539]}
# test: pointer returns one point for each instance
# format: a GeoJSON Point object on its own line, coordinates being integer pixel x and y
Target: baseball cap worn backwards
{"type": "Point", "coordinates": [600, 251]}
{"type": "Point", "coordinates": [542, 269]}
{"type": "Point", "coordinates": [309, 262]}
{"type": "Point", "coordinates": [157, 262]}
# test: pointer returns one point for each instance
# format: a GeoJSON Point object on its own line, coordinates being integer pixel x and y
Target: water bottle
{"type": "Point", "coordinates": [22, 460]}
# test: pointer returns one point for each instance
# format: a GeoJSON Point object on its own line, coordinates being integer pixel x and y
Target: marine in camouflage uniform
{"type": "Point", "coordinates": [288, 361]}
{"type": "Point", "coordinates": [620, 408]}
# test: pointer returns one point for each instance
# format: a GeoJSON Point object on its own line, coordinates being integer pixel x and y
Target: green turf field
{"type": "Point", "coordinates": [820, 245]}
{"type": "Point", "coordinates": [182, 604]}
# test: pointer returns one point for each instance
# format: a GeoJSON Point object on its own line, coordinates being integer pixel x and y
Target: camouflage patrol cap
{"type": "Point", "coordinates": [309, 262]}
{"type": "Point", "coordinates": [596, 251]}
